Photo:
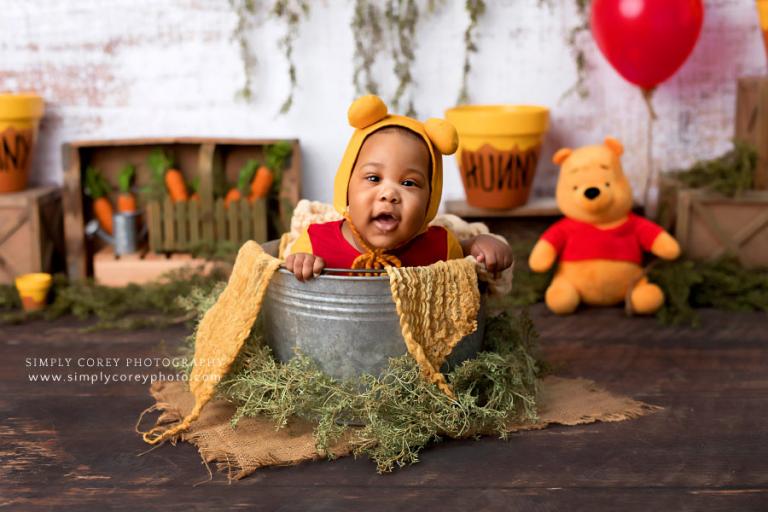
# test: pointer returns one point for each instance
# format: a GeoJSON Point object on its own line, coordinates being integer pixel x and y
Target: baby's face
{"type": "Point", "coordinates": [388, 190]}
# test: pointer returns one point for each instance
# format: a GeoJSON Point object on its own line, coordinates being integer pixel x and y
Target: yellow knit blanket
{"type": "Point", "coordinates": [437, 306]}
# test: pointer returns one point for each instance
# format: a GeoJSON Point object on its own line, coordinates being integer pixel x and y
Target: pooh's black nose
{"type": "Point", "coordinates": [592, 192]}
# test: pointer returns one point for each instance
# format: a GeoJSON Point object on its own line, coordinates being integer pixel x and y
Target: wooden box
{"type": "Point", "coordinates": [31, 233]}
{"type": "Point", "coordinates": [177, 227]}
{"type": "Point", "coordinates": [143, 267]}
{"type": "Point", "coordinates": [752, 122]}
{"type": "Point", "coordinates": [709, 225]}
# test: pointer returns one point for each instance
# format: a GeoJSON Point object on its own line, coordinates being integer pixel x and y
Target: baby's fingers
{"type": "Point", "coordinates": [307, 267]}
{"type": "Point", "coordinates": [318, 266]}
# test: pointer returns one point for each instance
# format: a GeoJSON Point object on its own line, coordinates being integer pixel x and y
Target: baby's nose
{"type": "Point", "coordinates": [389, 194]}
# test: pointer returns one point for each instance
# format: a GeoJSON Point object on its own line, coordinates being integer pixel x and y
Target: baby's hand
{"type": "Point", "coordinates": [304, 266]}
{"type": "Point", "coordinates": [496, 255]}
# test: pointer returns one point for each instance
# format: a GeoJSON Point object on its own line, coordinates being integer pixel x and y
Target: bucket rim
{"type": "Point", "coordinates": [326, 277]}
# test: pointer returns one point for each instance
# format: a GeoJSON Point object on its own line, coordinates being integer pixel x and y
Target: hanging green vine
{"type": "Point", "coordinates": [291, 13]}
{"type": "Point", "coordinates": [475, 9]}
{"type": "Point", "coordinates": [395, 35]}
{"type": "Point", "coordinates": [402, 16]}
{"type": "Point", "coordinates": [245, 11]}
{"type": "Point", "coordinates": [574, 40]}
{"type": "Point", "coordinates": [367, 33]}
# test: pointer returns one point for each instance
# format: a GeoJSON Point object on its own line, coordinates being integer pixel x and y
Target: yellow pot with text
{"type": "Point", "coordinates": [499, 149]}
{"type": "Point", "coordinates": [20, 116]}
{"type": "Point", "coordinates": [762, 14]}
{"type": "Point", "coordinates": [33, 290]}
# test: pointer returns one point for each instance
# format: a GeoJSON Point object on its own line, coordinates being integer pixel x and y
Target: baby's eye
{"type": "Point", "coordinates": [372, 178]}
{"type": "Point", "coordinates": [408, 183]}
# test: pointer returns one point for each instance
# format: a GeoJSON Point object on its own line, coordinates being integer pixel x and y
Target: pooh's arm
{"type": "Point", "coordinates": [542, 256]}
{"type": "Point", "coordinates": [665, 247]}
{"type": "Point", "coordinates": [654, 239]}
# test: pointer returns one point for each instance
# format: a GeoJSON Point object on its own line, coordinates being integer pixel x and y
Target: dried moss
{"type": "Point", "coordinates": [728, 174]}
{"type": "Point", "coordinates": [723, 284]}
{"type": "Point", "coordinates": [399, 411]}
{"type": "Point", "coordinates": [129, 307]}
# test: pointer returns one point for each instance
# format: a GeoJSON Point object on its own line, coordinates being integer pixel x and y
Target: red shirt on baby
{"type": "Point", "coordinates": [575, 240]}
{"type": "Point", "coordinates": [329, 243]}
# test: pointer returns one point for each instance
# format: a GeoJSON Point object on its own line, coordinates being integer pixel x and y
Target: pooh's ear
{"type": "Point", "coordinates": [365, 111]}
{"type": "Point", "coordinates": [442, 134]}
{"type": "Point", "coordinates": [614, 145]}
{"type": "Point", "coordinates": [561, 155]}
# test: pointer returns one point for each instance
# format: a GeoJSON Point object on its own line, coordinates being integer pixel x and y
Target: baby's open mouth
{"type": "Point", "coordinates": [386, 222]}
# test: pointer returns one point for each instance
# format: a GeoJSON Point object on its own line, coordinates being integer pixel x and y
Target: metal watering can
{"type": "Point", "coordinates": [125, 237]}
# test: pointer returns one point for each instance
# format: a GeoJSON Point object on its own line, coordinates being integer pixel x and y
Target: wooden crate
{"type": "Point", "coordinates": [709, 225]}
{"type": "Point", "coordinates": [31, 233]}
{"type": "Point", "coordinates": [752, 122]}
{"type": "Point", "coordinates": [141, 268]}
{"type": "Point", "coordinates": [175, 227]}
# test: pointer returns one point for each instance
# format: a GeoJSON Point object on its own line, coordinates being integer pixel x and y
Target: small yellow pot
{"type": "Point", "coordinates": [33, 290]}
{"type": "Point", "coordinates": [762, 13]}
{"type": "Point", "coordinates": [499, 148]}
{"type": "Point", "coordinates": [19, 120]}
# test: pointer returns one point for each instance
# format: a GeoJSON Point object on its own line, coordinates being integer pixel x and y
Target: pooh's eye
{"type": "Point", "coordinates": [603, 166]}
{"type": "Point", "coordinates": [607, 184]}
{"type": "Point", "coordinates": [575, 187]}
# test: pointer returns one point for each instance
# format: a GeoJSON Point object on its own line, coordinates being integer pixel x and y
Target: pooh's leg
{"type": "Point", "coordinates": [646, 298]}
{"type": "Point", "coordinates": [562, 297]}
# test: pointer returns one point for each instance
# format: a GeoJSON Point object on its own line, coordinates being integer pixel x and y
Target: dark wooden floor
{"type": "Point", "coordinates": [72, 445]}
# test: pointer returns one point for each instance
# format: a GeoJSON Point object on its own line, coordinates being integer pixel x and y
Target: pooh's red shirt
{"type": "Point", "coordinates": [574, 240]}
{"type": "Point", "coordinates": [435, 244]}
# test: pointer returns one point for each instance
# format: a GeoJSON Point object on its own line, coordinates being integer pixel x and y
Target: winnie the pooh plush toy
{"type": "Point", "coordinates": [600, 242]}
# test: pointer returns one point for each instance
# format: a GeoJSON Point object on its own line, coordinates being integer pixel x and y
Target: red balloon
{"type": "Point", "coordinates": [646, 41]}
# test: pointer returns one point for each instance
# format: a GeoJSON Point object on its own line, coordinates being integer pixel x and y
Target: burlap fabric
{"type": "Point", "coordinates": [255, 443]}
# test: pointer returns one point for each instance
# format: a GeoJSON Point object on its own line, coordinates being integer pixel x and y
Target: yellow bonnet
{"type": "Point", "coordinates": [368, 114]}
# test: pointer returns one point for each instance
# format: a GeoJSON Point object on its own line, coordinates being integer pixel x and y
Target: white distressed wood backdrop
{"type": "Point", "coordinates": [140, 68]}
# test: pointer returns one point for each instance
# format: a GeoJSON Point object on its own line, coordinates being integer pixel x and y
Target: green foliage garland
{"type": "Point", "coordinates": [729, 174]}
{"type": "Point", "coordinates": [399, 413]}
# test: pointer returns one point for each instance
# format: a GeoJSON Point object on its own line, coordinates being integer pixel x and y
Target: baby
{"type": "Point", "coordinates": [388, 187]}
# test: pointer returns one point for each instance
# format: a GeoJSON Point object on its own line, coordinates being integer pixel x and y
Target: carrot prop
{"type": "Point", "coordinates": [98, 189]}
{"type": "Point", "coordinates": [275, 156]}
{"type": "Point", "coordinates": [126, 201]}
{"type": "Point", "coordinates": [261, 183]}
{"type": "Point", "coordinates": [161, 166]}
{"type": "Point", "coordinates": [244, 178]}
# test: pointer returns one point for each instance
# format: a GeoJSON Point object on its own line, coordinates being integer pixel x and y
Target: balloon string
{"type": "Point", "coordinates": [649, 172]}
{"type": "Point", "coordinates": [648, 97]}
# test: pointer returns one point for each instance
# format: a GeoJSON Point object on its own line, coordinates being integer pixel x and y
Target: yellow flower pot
{"type": "Point", "coordinates": [19, 120]}
{"type": "Point", "coordinates": [762, 13]}
{"type": "Point", "coordinates": [33, 290]}
{"type": "Point", "coordinates": [499, 149]}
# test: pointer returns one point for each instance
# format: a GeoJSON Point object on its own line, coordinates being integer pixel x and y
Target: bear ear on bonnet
{"type": "Point", "coordinates": [443, 135]}
{"type": "Point", "coordinates": [365, 111]}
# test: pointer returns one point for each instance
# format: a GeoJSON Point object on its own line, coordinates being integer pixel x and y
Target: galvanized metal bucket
{"type": "Point", "coordinates": [347, 324]}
